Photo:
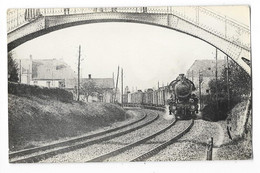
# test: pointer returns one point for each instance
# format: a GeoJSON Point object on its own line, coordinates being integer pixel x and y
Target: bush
{"type": "Point", "coordinates": [239, 86]}
{"type": "Point", "coordinates": [42, 92]}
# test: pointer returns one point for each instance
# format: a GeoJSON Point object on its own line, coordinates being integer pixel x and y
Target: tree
{"type": "Point", "coordinates": [90, 88]}
{"type": "Point", "coordinates": [239, 81]}
{"type": "Point", "coordinates": [239, 85]}
{"type": "Point", "coordinates": [12, 69]}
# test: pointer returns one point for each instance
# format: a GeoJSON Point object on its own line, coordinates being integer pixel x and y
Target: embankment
{"type": "Point", "coordinates": [35, 120]}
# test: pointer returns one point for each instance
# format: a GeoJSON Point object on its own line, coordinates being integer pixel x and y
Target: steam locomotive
{"type": "Point", "coordinates": [182, 103]}
{"type": "Point", "coordinates": [178, 95]}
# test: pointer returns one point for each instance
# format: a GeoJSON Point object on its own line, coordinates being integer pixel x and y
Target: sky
{"type": "Point", "coordinates": [148, 54]}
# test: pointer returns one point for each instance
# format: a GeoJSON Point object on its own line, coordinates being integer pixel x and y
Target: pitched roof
{"type": "Point", "coordinates": [104, 83]}
{"type": "Point", "coordinates": [206, 67]}
{"type": "Point", "coordinates": [100, 82]}
{"type": "Point", "coordinates": [51, 69]}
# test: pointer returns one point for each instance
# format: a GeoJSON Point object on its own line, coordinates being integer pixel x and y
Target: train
{"type": "Point", "coordinates": [183, 103]}
{"type": "Point", "coordinates": [178, 96]}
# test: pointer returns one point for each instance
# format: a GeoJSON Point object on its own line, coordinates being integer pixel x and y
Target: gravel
{"type": "Point", "coordinates": [191, 146]}
{"type": "Point", "coordinates": [143, 148]}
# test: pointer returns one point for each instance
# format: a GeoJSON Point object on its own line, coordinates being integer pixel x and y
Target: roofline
{"type": "Point", "coordinates": [47, 79]}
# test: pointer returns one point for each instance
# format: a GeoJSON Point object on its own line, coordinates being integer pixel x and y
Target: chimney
{"type": "Point", "coordinates": [89, 76]}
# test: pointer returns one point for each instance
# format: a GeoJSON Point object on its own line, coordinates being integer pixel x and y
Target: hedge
{"type": "Point", "coordinates": [42, 92]}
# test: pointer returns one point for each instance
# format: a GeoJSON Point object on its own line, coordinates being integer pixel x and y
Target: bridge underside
{"type": "Point", "coordinates": [47, 24]}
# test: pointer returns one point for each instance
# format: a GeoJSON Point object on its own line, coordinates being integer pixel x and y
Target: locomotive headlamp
{"type": "Point", "coordinates": [192, 107]}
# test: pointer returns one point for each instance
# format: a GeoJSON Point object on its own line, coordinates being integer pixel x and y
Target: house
{"type": "Point", "coordinates": [24, 70]}
{"type": "Point", "coordinates": [93, 89]}
{"type": "Point", "coordinates": [50, 73]}
{"type": "Point", "coordinates": [207, 69]}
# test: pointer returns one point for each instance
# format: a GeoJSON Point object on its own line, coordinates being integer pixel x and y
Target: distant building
{"type": "Point", "coordinates": [50, 73]}
{"type": "Point", "coordinates": [207, 68]}
{"type": "Point", "coordinates": [24, 70]}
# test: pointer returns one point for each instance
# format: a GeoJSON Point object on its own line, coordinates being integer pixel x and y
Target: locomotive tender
{"type": "Point", "coordinates": [178, 95]}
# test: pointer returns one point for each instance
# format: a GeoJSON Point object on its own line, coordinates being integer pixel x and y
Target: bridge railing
{"type": "Point", "coordinates": [222, 26]}
{"type": "Point", "coordinates": [209, 20]}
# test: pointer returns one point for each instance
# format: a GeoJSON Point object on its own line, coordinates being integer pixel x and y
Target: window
{"type": "Point", "coordinates": [48, 84]}
{"type": "Point", "coordinates": [61, 84]}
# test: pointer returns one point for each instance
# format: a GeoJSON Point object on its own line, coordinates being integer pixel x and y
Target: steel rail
{"type": "Point", "coordinates": [158, 148]}
{"type": "Point", "coordinates": [67, 142]}
{"type": "Point", "coordinates": [48, 154]}
{"type": "Point", "coordinates": [122, 149]}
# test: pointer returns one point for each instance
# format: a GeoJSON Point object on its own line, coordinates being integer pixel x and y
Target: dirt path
{"type": "Point", "coordinates": [218, 141]}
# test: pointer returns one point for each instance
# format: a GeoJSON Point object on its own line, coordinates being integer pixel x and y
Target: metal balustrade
{"type": "Point", "coordinates": [222, 26]}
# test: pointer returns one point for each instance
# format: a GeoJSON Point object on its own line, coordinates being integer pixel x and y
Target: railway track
{"type": "Point", "coordinates": [158, 148]}
{"type": "Point", "coordinates": [131, 145]}
{"type": "Point", "coordinates": [109, 155]}
{"type": "Point", "coordinates": [44, 152]}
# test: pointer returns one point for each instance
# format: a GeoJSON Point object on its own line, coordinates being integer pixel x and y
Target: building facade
{"type": "Point", "coordinates": [206, 69]}
{"type": "Point", "coordinates": [51, 73]}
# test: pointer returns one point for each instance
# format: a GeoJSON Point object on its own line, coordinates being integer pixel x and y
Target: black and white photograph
{"type": "Point", "coordinates": [129, 84]}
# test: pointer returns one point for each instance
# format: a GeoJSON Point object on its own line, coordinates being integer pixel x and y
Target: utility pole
{"type": "Point", "coordinates": [122, 85]}
{"type": "Point", "coordinates": [200, 80]}
{"type": "Point", "coordinates": [192, 76]}
{"type": "Point", "coordinates": [116, 82]}
{"type": "Point", "coordinates": [20, 71]}
{"type": "Point", "coordinates": [78, 75]}
{"type": "Point", "coordinates": [113, 87]}
{"type": "Point", "coordinates": [228, 94]}
{"type": "Point", "coordinates": [217, 79]}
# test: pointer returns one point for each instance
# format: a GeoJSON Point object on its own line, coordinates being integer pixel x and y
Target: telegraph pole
{"type": "Point", "coordinates": [78, 74]}
{"type": "Point", "coordinates": [113, 87]}
{"type": "Point", "coordinates": [122, 85]}
{"type": "Point", "coordinates": [192, 76]}
{"type": "Point", "coordinates": [116, 82]}
{"type": "Point", "coordinates": [200, 88]}
{"type": "Point", "coordinates": [217, 78]}
{"type": "Point", "coordinates": [20, 71]}
{"type": "Point", "coordinates": [227, 73]}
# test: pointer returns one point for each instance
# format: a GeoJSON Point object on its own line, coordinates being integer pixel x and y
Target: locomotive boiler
{"type": "Point", "coordinates": [182, 103]}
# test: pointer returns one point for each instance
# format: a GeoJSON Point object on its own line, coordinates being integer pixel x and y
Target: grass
{"type": "Point", "coordinates": [34, 121]}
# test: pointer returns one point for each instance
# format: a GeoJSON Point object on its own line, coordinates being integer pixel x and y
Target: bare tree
{"type": "Point", "coordinates": [90, 88]}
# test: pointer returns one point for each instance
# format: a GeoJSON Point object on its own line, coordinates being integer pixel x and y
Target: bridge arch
{"type": "Point", "coordinates": [46, 24]}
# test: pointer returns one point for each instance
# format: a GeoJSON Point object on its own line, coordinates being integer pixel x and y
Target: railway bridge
{"type": "Point", "coordinates": [226, 34]}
